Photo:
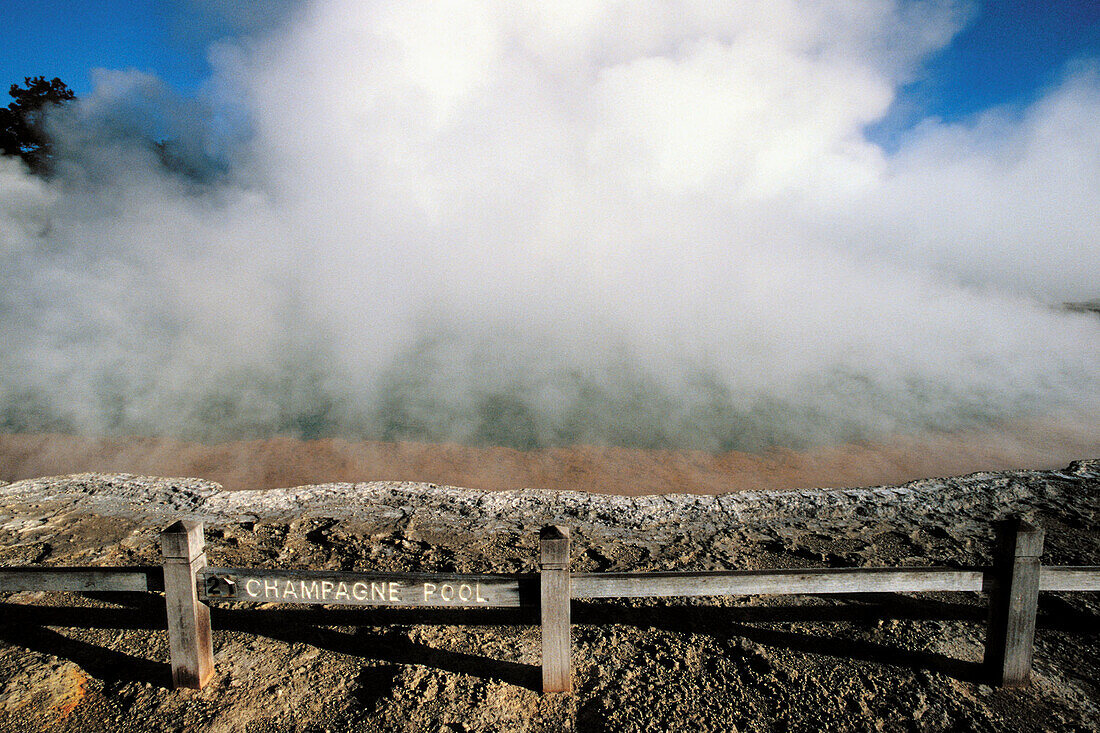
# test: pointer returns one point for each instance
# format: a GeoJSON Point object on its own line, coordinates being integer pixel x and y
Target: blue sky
{"type": "Point", "coordinates": [67, 39]}
{"type": "Point", "coordinates": [1009, 54]}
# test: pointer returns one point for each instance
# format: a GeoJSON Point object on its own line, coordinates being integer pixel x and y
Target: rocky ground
{"type": "Point", "coordinates": [72, 662]}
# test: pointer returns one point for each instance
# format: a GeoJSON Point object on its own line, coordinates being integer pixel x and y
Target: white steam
{"type": "Point", "coordinates": [655, 222]}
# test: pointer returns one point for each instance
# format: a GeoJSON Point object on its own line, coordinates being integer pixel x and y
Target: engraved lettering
{"type": "Point", "coordinates": [328, 588]}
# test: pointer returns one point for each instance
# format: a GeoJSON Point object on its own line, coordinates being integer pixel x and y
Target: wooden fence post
{"type": "Point", "coordinates": [188, 618]}
{"type": "Point", "coordinates": [554, 580]}
{"type": "Point", "coordinates": [1013, 603]}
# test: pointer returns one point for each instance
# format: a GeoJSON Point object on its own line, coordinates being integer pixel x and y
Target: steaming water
{"type": "Point", "coordinates": [654, 224]}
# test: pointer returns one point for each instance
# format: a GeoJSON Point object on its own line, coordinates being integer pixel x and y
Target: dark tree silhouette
{"type": "Point", "coordinates": [22, 123]}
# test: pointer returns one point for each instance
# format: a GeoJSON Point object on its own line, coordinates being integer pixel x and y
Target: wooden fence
{"type": "Point", "coordinates": [1012, 583]}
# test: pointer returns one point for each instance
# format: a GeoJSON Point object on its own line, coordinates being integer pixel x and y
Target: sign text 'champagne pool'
{"type": "Point", "coordinates": [364, 589]}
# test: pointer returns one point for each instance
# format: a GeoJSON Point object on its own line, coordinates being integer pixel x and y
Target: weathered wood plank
{"type": "Point", "coordinates": [188, 619]}
{"type": "Point", "coordinates": [1070, 578]}
{"type": "Point", "coordinates": [1013, 603]}
{"type": "Point", "coordinates": [557, 673]}
{"type": "Point", "coordinates": [777, 582]}
{"type": "Point", "coordinates": [80, 580]}
{"type": "Point", "coordinates": [1083, 578]}
{"type": "Point", "coordinates": [365, 589]}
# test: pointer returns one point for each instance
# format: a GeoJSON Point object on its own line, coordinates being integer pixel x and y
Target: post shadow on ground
{"type": "Point", "coordinates": [315, 626]}
{"type": "Point", "coordinates": [737, 622]}
{"type": "Point", "coordinates": [24, 625]}
{"type": "Point", "coordinates": [105, 664]}
{"type": "Point", "coordinates": [393, 647]}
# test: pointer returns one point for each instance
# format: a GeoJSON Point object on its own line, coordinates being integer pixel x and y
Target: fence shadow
{"type": "Point", "coordinates": [738, 622]}
{"type": "Point", "coordinates": [396, 648]}
{"type": "Point", "coordinates": [369, 640]}
{"type": "Point", "coordinates": [98, 661]}
{"type": "Point", "coordinates": [360, 631]}
{"type": "Point", "coordinates": [27, 626]}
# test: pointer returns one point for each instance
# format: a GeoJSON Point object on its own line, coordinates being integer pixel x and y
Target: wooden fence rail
{"type": "Point", "coordinates": [798, 581]}
{"type": "Point", "coordinates": [80, 580]}
{"type": "Point", "coordinates": [1013, 583]}
{"type": "Point", "coordinates": [1070, 578]}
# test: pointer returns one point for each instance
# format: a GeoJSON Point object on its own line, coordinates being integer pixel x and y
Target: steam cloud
{"type": "Point", "coordinates": [654, 223]}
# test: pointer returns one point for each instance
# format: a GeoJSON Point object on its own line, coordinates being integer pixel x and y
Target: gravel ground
{"type": "Point", "coordinates": [78, 662]}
